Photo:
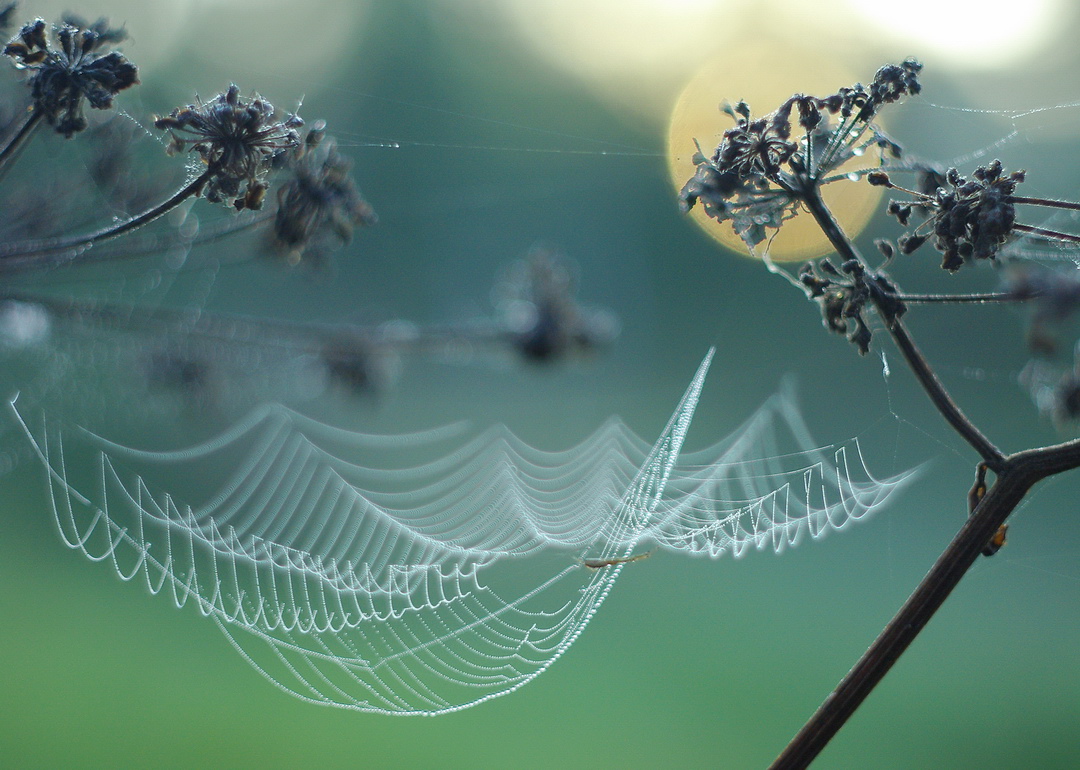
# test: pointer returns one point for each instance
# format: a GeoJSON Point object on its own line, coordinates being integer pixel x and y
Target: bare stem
{"type": "Point", "coordinates": [957, 299]}
{"type": "Point", "coordinates": [18, 139]}
{"type": "Point", "coordinates": [1016, 474]}
{"type": "Point", "coordinates": [1019, 473]}
{"type": "Point", "coordinates": [32, 254]}
{"type": "Point", "coordinates": [1056, 204]}
{"type": "Point", "coordinates": [999, 501]}
{"type": "Point", "coordinates": [1050, 235]}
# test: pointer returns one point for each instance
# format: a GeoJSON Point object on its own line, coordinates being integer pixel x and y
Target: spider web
{"type": "Point", "coordinates": [424, 573]}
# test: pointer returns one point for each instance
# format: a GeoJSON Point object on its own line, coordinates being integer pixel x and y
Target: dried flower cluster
{"type": "Point", "coordinates": [237, 138]}
{"type": "Point", "coordinates": [844, 295]}
{"type": "Point", "coordinates": [970, 219]}
{"type": "Point", "coordinates": [540, 315]}
{"type": "Point", "coordinates": [319, 196]}
{"type": "Point", "coordinates": [71, 70]}
{"type": "Point", "coordinates": [754, 177]}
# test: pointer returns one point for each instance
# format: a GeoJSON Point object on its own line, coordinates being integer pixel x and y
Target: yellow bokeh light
{"type": "Point", "coordinates": [764, 77]}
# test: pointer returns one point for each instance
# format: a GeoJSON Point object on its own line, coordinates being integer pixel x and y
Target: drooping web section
{"type": "Point", "coordinates": [424, 573]}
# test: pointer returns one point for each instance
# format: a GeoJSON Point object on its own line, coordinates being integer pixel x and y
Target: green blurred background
{"type": "Point", "coordinates": [523, 123]}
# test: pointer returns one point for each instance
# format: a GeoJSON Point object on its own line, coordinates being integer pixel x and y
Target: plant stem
{"type": "Point", "coordinates": [997, 504]}
{"type": "Point", "coordinates": [140, 246]}
{"type": "Point", "coordinates": [1016, 474]}
{"type": "Point", "coordinates": [957, 299]}
{"type": "Point", "coordinates": [32, 254]}
{"type": "Point", "coordinates": [18, 139]}
{"type": "Point", "coordinates": [1045, 202]}
{"type": "Point", "coordinates": [1050, 235]}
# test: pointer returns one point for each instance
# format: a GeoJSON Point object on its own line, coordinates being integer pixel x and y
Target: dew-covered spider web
{"type": "Point", "coordinates": [423, 573]}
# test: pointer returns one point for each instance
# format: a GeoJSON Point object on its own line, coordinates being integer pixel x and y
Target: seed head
{"type": "Point", "coordinates": [320, 196]}
{"type": "Point", "coordinates": [71, 70]}
{"type": "Point", "coordinates": [237, 138]}
{"type": "Point", "coordinates": [973, 218]}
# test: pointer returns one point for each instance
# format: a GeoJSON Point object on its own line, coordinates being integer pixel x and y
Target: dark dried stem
{"type": "Point", "coordinates": [1051, 235]}
{"type": "Point", "coordinates": [27, 255]}
{"type": "Point", "coordinates": [1016, 474]}
{"type": "Point", "coordinates": [18, 139]}
{"type": "Point", "coordinates": [1054, 204]}
{"type": "Point", "coordinates": [988, 298]}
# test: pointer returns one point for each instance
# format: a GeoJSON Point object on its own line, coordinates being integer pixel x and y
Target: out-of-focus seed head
{"type": "Point", "coordinates": [320, 197]}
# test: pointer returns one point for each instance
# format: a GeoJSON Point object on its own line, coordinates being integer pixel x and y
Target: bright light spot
{"type": "Point", "coordinates": [763, 76]}
{"type": "Point", "coordinates": [970, 33]}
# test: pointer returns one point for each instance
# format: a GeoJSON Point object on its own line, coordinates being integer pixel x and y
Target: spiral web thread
{"type": "Point", "coordinates": [426, 586]}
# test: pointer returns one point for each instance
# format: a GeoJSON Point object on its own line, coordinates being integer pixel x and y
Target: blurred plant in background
{"type": "Point", "coordinates": [294, 198]}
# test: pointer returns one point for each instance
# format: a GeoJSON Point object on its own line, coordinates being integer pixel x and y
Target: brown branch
{"type": "Point", "coordinates": [987, 298]}
{"type": "Point", "coordinates": [1050, 235]}
{"type": "Point", "coordinates": [1016, 474]}
{"type": "Point", "coordinates": [1056, 204]}
{"type": "Point", "coordinates": [997, 504]}
{"type": "Point", "coordinates": [18, 139]}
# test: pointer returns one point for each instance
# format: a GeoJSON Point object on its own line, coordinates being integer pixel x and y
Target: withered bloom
{"type": "Point", "coordinates": [974, 218]}
{"type": "Point", "coordinates": [238, 138]}
{"type": "Point", "coordinates": [970, 219]}
{"type": "Point", "coordinates": [72, 71]}
{"type": "Point", "coordinates": [755, 176]}
{"type": "Point", "coordinates": [320, 197]}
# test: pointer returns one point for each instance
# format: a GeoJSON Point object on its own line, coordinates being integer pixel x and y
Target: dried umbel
{"type": "Point", "coordinates": [970, 219]}
{"type": "Point", "coordinates": [237, 138]}
{"type": "Point", "coordinates": [757, 174]}
{"type": "Point", "coordinates": [320, 197]}
{"type": "Point", "coordinates": [845, 295]}
{"type": "Point", "coordinates": [70, 70]}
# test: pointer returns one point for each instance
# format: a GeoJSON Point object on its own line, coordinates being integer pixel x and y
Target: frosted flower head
{"type": "Point", "coordinates": [71, 70]}
{"type": "Point", "coordinates": [237, 138]}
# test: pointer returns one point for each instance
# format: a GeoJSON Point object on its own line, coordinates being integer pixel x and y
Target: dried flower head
{"type": "Point", "coordinates": [320, 197]}
{"type": "Point", "coordinates": [237, 138]}
{"type": "Point", "coordinates": [843, 294]}
{"type": "Point", "coordinates": [758, 172]}
{"type": "Point", "coordinates": [541, 316]}
{"type": "Point", "coordinates": [1053, 297]}
{"type": "Point", "coordinates": [970, 219]}
{"type": "Point", "coordinates": [72, 70]}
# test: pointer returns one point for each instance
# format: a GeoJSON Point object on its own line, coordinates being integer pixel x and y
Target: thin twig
{"type": "Point", "coordinates": [1016, 474]}
{"type": "Point", "coordinates": [996, 506]}
{"type": "Point", "coordinates": [988, 298]}
{"type": "Point", "coordinates": [1055, 204]}
{"type": "Point", "coordinates": [1042, 232]}
{"type": "Point", "coordinates": [31, 254]}
{"type": "Point", "coordinates": [18, 139]}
